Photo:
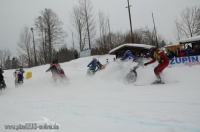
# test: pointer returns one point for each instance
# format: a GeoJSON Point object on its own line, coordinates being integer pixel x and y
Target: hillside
{"type": "Point", "coordinates": [104, 102]}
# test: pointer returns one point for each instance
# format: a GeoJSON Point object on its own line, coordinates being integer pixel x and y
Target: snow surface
{"type": "Point", "coordinates": [104, 102]}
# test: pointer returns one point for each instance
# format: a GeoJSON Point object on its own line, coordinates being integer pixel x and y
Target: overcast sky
{"type": "Point", "coordinates": [15, 14]}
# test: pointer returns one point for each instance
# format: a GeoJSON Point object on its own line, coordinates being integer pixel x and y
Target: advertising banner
{"type": "Point", "coordinates": [85, 53]}
{"type": "Point", "coordinates": [185, 61]}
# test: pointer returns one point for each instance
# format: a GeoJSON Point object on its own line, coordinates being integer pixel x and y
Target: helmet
{"type": "Point", "coordinates": [151, 51]}
{"type": "Point", "coordinates": [55, 61]}
{"type": "Point", "coordinates": [20, 67]}
{"type": "Point", "coordinates": [127, 52]}
{"type": "Point", "coordinates": [94, 59]}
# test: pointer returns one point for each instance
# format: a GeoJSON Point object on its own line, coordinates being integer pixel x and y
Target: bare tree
{"type": "Point", "coordinates": [104, 30]}
{"type": "Point", "coordinates": [117, 39]}
{"type": "Point", "coordinates": [77, 21]}
{"type": "Point", "coordinates": [42, 33]}
{"type": "Point", "coordinates": [50, 31]}
{"type": "Point", "coordinates": [4, 54]}
{"type": "Point", "coordinates": [187, 26]}
{"type": "Point", "coordinates": [88, 14]}
{"type": "Point", "coordinates": [198, 21]}
{"type": "Point", "coordinates": [24, 44]}
{"type": "Point", "coordinates": [22, 60]}
{"type": "Point", "coordinates": [177, 31]}
{"type": "Point", "coordinates": [148, 36]}
{"type": "Point", "coordinates": [1, 57]}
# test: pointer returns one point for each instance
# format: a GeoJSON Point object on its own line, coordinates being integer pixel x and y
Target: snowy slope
{"type": "Point", "coordinates": [104, 103]}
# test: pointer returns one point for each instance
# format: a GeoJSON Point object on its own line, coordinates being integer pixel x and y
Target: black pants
{"type": "Point", "coordinates": [2, 83]}
{"type": "Point", "coordinates": [20, 77]}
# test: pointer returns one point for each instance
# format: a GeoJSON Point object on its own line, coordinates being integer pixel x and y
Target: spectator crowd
{"type": "Point", "coordinates": [184, 52]}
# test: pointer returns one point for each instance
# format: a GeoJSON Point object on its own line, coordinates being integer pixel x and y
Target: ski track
{"type": "Point", "coordinates": [84, 103]}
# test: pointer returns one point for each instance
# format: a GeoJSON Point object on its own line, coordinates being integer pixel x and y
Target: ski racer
{"type": "Point", "coordinates": [127, 55]}
{"type": "Point", "coordinates": [2, 82]}
{"type": "Point", "coordinates": [19, 74]}
{"type": "Point", "coordinates": [93, 64]}
{"type": "Point", "coordinates": [100, 66]}
{"type": "Point", "coordinates": [56, 69]}
{"type": "Point", "coordinates": [163, 61]}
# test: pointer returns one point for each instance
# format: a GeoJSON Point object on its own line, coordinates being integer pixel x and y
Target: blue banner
{"type": "Point", "coordinates": [185, 61]}
{"type": "Point", "coordinates": [85, 53]}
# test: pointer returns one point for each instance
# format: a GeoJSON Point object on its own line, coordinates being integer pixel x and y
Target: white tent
{"type": "Point", "coordinates": [144, 46]}
{"type": "Point", "coordinates": [190, 40]}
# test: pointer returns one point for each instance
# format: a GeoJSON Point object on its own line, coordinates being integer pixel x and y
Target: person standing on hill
{"type": "Point", "coordinates": [196, 50]}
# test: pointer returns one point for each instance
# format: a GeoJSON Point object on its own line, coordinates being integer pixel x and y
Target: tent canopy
{"type": "Point", "coordinates": [190, 40]}
{"type": "Point", "coordinates": [134, 48]}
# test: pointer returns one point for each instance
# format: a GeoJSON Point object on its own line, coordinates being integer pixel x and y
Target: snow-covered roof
{"type": "Point", "coordinates": [144, 46]}
{"type": "Point", "coordinates": [188, 40]}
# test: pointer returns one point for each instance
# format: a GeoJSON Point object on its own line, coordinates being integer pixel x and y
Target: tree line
{"type": "Point", "coordinates": [44, 41]}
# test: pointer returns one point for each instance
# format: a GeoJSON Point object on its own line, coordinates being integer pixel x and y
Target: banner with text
{"type": "Point", "coordinates": [85, 53]}
{"type": "Point", "coordinates": [185, 61]}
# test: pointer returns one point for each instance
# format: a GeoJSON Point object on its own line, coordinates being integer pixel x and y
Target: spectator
{"type": "Point", "coordinates": [189, 51]}
{"type": "Point", "coordinates": [172, 54]}
{"type": "Point", "coordinates": [148, 55]}
{"type": "Point", "coordinates": [138, 54]}
{"type": "Point", "coordinates": [182, 53]}
{"type": "Point", "coordinates": [177, 52]}
{"type": "Point", "coordinates": [169, 54]}
{"type": "Point", "coordinates": [76, 54]}
{"type": "Point", "coordinates": [196, 50]}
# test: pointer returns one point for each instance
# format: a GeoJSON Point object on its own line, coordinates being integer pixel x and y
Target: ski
{"type": "Point", "coordinates": [168, 82]}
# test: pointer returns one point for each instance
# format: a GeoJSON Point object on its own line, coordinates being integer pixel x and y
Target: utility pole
{"type": "Point", "coordinates": [155, 31]}
{"type": "Point", "coordinates": [34, 48]}
{"type": "Point", "coordinates": [130, 20]}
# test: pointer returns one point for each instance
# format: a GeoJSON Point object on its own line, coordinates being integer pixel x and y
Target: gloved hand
{"type": "Point", "coordinates": [145, 64]}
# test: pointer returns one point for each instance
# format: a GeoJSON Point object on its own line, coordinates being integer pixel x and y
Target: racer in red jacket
{"type": "Point", "coordinates": [162, 59]}
{"type": "Point", "coordinates": [56, 70]}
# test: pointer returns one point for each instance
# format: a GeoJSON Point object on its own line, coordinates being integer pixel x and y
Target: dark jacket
{"type": "Point", "coordinates": [92, 64]}
{"type": "Point", "coordinates": [1, 75]}
{"type": "Point", "coordinates": [55, 69]}
{"type": "Point", "coordinates": [197, 51]}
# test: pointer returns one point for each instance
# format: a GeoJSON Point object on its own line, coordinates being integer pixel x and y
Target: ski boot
{"type": "Point", "coordinates": [158, 81]}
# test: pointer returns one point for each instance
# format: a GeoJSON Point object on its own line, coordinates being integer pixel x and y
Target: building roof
{"type": "Point", "coordinates": [189, 40]}
{"type": "Point", "coordinates": [144, 46]}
